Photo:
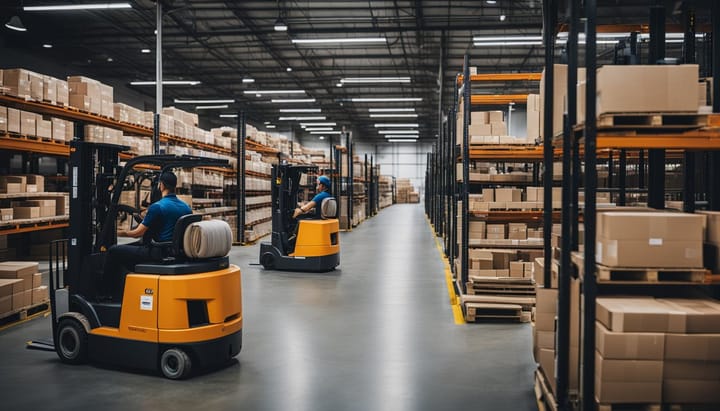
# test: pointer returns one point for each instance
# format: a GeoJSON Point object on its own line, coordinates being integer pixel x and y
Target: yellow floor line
{"type": "Point", "coordinates": [454, 300]}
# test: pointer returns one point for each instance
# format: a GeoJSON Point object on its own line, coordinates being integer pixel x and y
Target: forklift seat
{"type": "Point", "coordinates": [197, 246]}
{"type": "Point", "coordinates": [328, 208]}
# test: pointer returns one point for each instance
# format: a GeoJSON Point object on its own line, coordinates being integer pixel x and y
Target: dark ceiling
{"type": "Point", "coordinates": [221, 42]}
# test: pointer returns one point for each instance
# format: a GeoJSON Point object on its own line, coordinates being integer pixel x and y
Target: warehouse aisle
{"type": "Point", "coordinates": [377, 334]}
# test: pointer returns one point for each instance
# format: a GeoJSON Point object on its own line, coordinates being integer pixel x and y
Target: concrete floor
{"type": "Point", "coordinates": [376, 334]}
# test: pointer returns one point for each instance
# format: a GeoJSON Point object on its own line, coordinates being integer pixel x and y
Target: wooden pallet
{"type": "Point", "coordinates": [622, 275]}
{"type": "Point", "coordinates": [500, 289]}
{"type": "Point", "coordinates": [675, 121]}
{"type": "Point", "coordinates": [543, 394]}
{"type": "Point", "coordinates": [23, 313]}
{"type": "Point", "coordinates": [485, 311]}
{"type": "Point", "coordinates": [527, 303]}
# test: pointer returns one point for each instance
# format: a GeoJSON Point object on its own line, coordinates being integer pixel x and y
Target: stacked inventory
{"type": "Point", "coordinates": [385, 191]}
{"type": "Point", "coordinates": [20, 287]}
{"type": "Point", "coordinates": [405, 192]}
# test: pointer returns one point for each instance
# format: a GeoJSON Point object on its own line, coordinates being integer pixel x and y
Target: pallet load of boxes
{"type": "Point", "coordinates": [405, 192]}
{"type": "Point", "coordinates": [21, 288]}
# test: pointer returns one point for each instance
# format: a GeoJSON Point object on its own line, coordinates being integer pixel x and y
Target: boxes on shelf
{"type": "Point", "coordinates": [12, 184]}
{"type": "Point", "coordinates": [28, 122]}
{"type": "Point", "coordinates": [85, 94]}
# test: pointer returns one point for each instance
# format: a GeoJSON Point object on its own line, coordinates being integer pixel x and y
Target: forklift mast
{"type": "Point", "coordinates": [285, 190]}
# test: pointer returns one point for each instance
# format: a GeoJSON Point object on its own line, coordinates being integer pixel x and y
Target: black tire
{"type": "Point", "coordinates": [71, 342]}
{"type": "Point", "coordinates": [175, 364]}
{"type": "Point", "coordinates": [268, 261]}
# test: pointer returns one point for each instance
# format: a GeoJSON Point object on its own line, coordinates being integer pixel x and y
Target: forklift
{"type": "Point", "coordinates": [299, 244]}
{"type": "Point", "coordinates": [176, 315]}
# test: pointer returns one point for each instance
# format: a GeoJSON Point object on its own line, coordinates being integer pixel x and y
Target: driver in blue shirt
{"type": "Point", "coordinates": [158, 225]}
{"type": "Point", "coordinates": [323, 192]}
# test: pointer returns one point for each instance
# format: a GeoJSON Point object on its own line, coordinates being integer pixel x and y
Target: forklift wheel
{"type": "Point", "coordinates": [71, 343]}
{"type": "Point", "coordinates": [268, 261]}
{"type": "Point", "coordinates": [175, 364]}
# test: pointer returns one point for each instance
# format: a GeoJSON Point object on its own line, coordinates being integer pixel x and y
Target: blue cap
{"type": "Point", "coordinates": [324, 181]}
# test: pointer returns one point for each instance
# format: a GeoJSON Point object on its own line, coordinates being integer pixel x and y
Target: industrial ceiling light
{"type": "Point", "coordinates": [384, 99]}
{"type": "Point", "coordinates": [47, 45]}
{"type": "Point", "coordinates": [292, 100]}
{"type": "Point", "coordinates": [318, 128]}
{"type": "Point", "coordinates": [326, 132]}
{"type": "Point", "coordinates": [289, 69]}
{"type": "Point", "coordinates": [392, 140]}
{"type": "Point", "coordinates": [228, 115]}
{"type": "Point", "coordinates": [385, 110]}
{"type": "Point", "coordinates": [203, 101]}
{"type": "Point", "coordinates": [393, 115]}
{"type": "Point", "coordinates": [400, 136]}
{"type": "Point", "coordinates": [270, 126]}
{"type": "Point", "coordinates": [166, 83]}
{"type": "Point", "coordinates": [300, 110]}
{"type": "Point", "coordinates": [274, 92]}
{"type": "Point", "coordinates": [340, 40]}
{"type": "Point", "coordinates": [302, 118]}
{"type": "Point", "coordinates": [280, 25]}
{"type": "Point", "coordinates": [317, 124]}
{"type": "Point", "coordinates": [503, 17]}
{"type": "Point", "coordinates": [398, 131]}
{"type": "Point", "coordinates": [491, 1]}
{"type": "Point", "coordinates": [145, 51]}
{"type": "Point", "coordinates": [15, 24]}
{"type": "Point", "coordinates": [211, 107]}
{"type": "Point", "coordinates": [72, 7]}
{"type": "Point", "coordinates": [322, 137]}
{"type": "Point", "coordinates": [248, 80]}
{"type": "Point", "coordinates": [508, 43]}
{"type": "Point", "coordinates": [266, 123]}
{"type": "Point", "coordinates": [479, 39]}
{"type": "Point", "coordinates": [338, 85]}
{"type": "Point", "coordinates": [364, 80]}
{"type": "Point", "coordinates": [396, 125]}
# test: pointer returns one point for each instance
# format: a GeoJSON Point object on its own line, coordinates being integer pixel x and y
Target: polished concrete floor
{"type": "Point", "coordinates": [376, 334]}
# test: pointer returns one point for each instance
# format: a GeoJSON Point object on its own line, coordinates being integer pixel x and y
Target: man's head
{"type": "Point", "coordinates": [168, 179]}
{"type": "Point", "coordinates": [324, 181]}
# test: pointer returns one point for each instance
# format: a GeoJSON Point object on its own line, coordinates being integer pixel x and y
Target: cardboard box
{"type": "Point", "coordinates": [517, 269]}
{"type": "Point", "coordinates": [10, 286]}
{"type": "Point", "coordinates": [629, 346]}
{"type": "Point", "coordinates": [479, 117]}
{"type": "Point", "coordinates": [479, 130]}
{"type": "Point", "coordinates": [5, 304]}
{"type": "Point", "coordinates": [693, 347]}
{"type": "Point", "coordinates": [545, 321]}
{"type": "Point", "coordinates": [17, 269]}
{"type": "Point", "coordinates": [547, 365]}
{"type": "Point", "coordinates": [13, 125]}
{"type": "Point", "coordinates": [43, 128]}
{"type": "Point", "coordinates": [691, 370]}
{"type": "Point", "coordinates": [22, 299]}
{"type": "Point", "coordinates": [643, 88]}
{"type": "Point", "coordinates": [495, 116]}
{"type": "Point", "coordinates": [28, 123]}
{"type": "Point", "coordinates": [6, 214]}
{"type": "Point", "coordinates": [546, 300]}
{"type": "Point", "coordinates": [18, 81]}
{"type": "Point", "coordinates": [560, 72]}
{"type": "Point", "coordinates": [639, 314]}
{"type": "Point", "coordinates": [539, 272]}
{"type": "Point", "coordinates": [58, 129]}
{"type": "Point", "coordinates": [62, 92]}
{"type": "Point", "coordinates": [712, 226]}
{"type": "Point", "coordinates": [49, 89]}
{"type": "Point", "coordinates": [3, 119]}
{"type": "Point", "coordinates": [12, 184]}
{"type": "Point", "coordinates": [498, 129]}
{"type": "Point", "coordinates": [546, 340]}
{"type": "Point", "coordinates": [36, 280]}
{"type": "Point", "coordinates": [37, 180]}
{"type": "Point", "coordinates": [627, 381]}
{"type": "Point", "coordinates": [647, 239]}
{"type": "Point", "coordinates": [533, 125]}
{"type": "Point", "coordinates": [40, 294]}
{"type": "Point", "coordinates": [691, 391]}
{"type": "Point", "coordinates": [22, 213]}
{"type": "Point", "coordinates": [81, 102]}
{"type": "Point", "coordinates": [701, 315]}
{"type": "Point", "coordinates": [508, 194]}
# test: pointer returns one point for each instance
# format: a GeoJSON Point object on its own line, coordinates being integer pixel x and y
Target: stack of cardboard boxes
{"type": "Point", "coordinates": [20, 286]}
{"type": "Point", "coordinates": [90, 95]}
{"type": "Point", "coordinates": [16, 121]}
{"type": "Point", "coordinates": [405, 192]}
{"type": "Point", "coordinates": [533, 118]}
{"type": "Point", "coordinates": [37, 206]}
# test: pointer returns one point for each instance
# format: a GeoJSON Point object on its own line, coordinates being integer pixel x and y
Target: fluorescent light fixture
{"type": "Point", "coordinates": [491, 1]}
{"type": "Point", "coordinates": [503, 17]}
{"type": "Point", "coordinates": [385, 110]}
{"type": "Point", "coordinates": [166, 83]}
{"type": "Point", "coordinates": [318, 129]}
{"type": "Point", "coordinates": [280, 25]}
{"type": "Point", "coordinates": [289, 69]}
{"type": "Point", "coordinates": [317, 124]}
{"type": "Point", "coordinates": [302, 118]}
{"type": "Point", "coordinates": [508, 43]}
{"type": "Point", "coordinates": [110, 59]}
{"type": "Point", "coordinates": [398, 131]}
{"type": "Point", "coordinates": [396, 125]}
{"type": "Point", "coordinates": [15, 24]}
{"type": "Point", "coordinates": [506, 38]}
{"type": "Point", "coordinates": [270, 126]}
{"type": "Point", "coordinates": [248, 80]}
{"type": "Point", "coordinates": [326, 132]}
{"type": "Point", "coordinates": [341, 40]}
{"type": "Point", "coordinates": [300, 110]}
{"type": "Point", "coordinates": [292, 100]}
{"type": "Point", "coordinates": [384, 99]}
{"type": "Point", "coordinates": [338, 85]}
{"type": "Point", "coordinates": [400, 136]}
{"type": "Point", "coordinates": [211, 107]}
{"type": "Point", "coordinates": [322, 137]}
{"type": "Point", "coordinates": [202, 101]}
{"type": "Point", "coordinates": [274, 92]}
{"type": "Point", "coordinates": [47, 45]}
{"type": "Point", "coordinates": [70, 7]}
{"type": "Point", "coordinates": [393, 115]}
{"type": "Point", "coordinates": [393, 140]}
{"type": "Point", "coordinates": [228, 115]}
{"type": "Point", "coordinates": [375, 80]}
{"type": "Point", "coordinates": [145, 51]}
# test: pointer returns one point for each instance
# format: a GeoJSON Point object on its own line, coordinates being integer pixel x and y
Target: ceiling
{"type": "Point", "coordinates": [221, 42]}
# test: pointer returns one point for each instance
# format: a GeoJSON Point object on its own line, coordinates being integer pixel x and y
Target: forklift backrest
{"type": "Point", "coordinates": [207, 239]}
{"type": "Point", "coordinates": [328, 208]}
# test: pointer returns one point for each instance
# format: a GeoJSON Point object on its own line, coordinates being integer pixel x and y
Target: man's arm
{"type": "Point", "coordinates": [304, 209]}
{"type": "Point", "coordinates": [137, 232]}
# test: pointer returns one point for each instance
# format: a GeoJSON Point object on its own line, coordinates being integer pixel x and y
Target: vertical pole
{"type": "Point", "coordinates": [656, 157]}
{"type": "Point", "coordinates": [689, 156]}
{"type": "Point", "coordinates": [549, 23]}
{"type": "Point", "coordinates": [622, 178]}
{"type": "Point", "coordinates": [351, 179]}
{"type": "Point", "coordinates": [367, 188]}
{"type": "Point", "coordinates": [452, 123]}
{"type": "Point", "coordinates": [464, 264]}
{"type": "Point", "coordinates": [158, 78]}
{"type": "Point", "coordinates": [589, 281]}
{"type": "Point", "coordinates": [714, 157]}
{"type": "Point", "coordinates": [240, 183]}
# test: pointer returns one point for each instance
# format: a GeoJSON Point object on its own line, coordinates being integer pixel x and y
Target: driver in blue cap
{"type": "Point", "coordinates": [323, 192]}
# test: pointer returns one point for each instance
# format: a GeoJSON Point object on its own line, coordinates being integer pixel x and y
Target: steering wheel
{"type": "Point", "coordinates": [132, 211]}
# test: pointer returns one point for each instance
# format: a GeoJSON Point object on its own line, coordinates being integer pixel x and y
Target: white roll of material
{"type": "Point", "coordinates": [206, 239]}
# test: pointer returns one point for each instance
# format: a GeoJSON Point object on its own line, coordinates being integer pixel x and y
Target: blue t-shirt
{"type": "Point", "coordinates": [162, 216]}
{"type": "Point", "coordinates": [318, 199]}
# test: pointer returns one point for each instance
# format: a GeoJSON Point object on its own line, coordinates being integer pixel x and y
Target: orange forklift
{"type": "Point", "coordinates": [177, 315]}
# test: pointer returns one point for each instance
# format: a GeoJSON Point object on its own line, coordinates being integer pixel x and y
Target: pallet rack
{"type": "Point", "coordinates": [585, 141]}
